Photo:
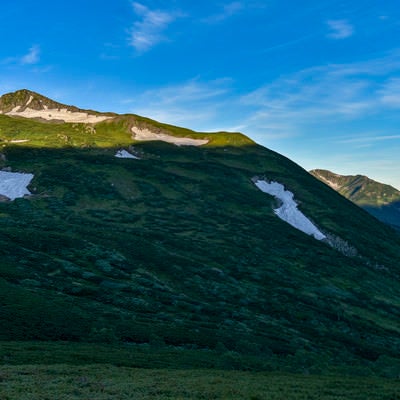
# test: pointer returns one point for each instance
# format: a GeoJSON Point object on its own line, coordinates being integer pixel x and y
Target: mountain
{"type": "Point", "coordinates": [144, 233]}
{"type": "Point", "coordinates": [28, 104]}
{"type": "Point", "coordinates": [380, 200]}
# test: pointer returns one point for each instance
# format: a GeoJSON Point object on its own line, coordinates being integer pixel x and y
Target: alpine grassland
{"type": "Point", "coordinates": [170, 276]}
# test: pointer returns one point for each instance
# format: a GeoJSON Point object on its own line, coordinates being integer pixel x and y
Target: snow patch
{"type": "Point", "coordinates": [62, 114]}
{"type": "Point", "coordinates": [288, 212]}
{"type": "Point", "coordinates": [29, 101]}
{"type": "Point", "coordinates": [125, 154]}
{"type": "Point", "coordinates": [14, 110]}
{"type": "Point", "coordinates": [148, 135]}
{"type": "Point", "coordinates": [14, 184]}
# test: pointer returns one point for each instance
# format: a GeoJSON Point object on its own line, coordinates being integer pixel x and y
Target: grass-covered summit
{"type": "Point", "coordinates": [180, 250]}
{"type": "Point", "coordinates": [30, 117]}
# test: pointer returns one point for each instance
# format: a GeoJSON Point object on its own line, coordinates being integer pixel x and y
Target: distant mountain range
{"type": "Point", "coordinates": [124, 230]}
{"type": "Point", "coordinates": [379, 199]}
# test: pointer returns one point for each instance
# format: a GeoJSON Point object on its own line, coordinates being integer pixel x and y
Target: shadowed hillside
{"type": "Point", "coordinates": [178, 248]}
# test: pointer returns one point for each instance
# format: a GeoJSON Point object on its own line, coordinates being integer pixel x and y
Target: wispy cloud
{"type": "Point", "coordinates": [340, 29]}
{"type": "Point", "coordinates": [228, 10]}
{"type": "Point", "coordinates": [369, 139]}
{"type": "Point", "coordinates": [287, 43]}
{"type": "Point", "coordinates": [325, 95]}
{"type": "Point", "coordinates": [32, 57]}
{"type": "Point", "coordinates": [149, 29]}
{"type": "Point", "coordinates": [390, 93]}
{"type": "Point", "coordinates": [192, 103]}
{"type": "Point", "coordinates": [295, 105]}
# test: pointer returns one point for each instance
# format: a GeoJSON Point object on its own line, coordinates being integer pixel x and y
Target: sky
{"type": "Point", "coordinates": [315, 80]}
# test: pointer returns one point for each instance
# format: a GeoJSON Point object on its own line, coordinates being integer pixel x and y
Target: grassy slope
{"type": "Point", "coordinates": [106, 382]}
{"type": "Point", "coordinates": [181, 248]}
{"type": "Point", "coordinates": [80, 371]}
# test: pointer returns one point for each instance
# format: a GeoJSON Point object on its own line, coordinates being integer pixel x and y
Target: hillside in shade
{"type": "Point", "coordinates": [141, 233]}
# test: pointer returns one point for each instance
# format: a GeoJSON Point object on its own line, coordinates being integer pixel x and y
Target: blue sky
{"type": "Point", "coordinates": [316, 80]}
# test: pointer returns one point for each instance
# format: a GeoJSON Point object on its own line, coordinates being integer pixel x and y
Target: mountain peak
{"type": "Point", "coordinates": [28, 104]}
{"type": "Point", "coordinates": [20, 100]}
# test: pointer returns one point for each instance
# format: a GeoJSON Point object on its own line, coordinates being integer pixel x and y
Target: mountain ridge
{"type": "Point", "coordinates": [125, 126]}
{"type": "Point", "coordinates": [379, 199]}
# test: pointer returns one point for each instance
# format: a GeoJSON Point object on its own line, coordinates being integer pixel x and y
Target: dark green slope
{"type": "Point", "coordinates": [380, 200]}
{"type": "Point", "coordinates": [181, 247]}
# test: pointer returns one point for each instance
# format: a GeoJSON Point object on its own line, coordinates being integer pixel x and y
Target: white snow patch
{"type": "Point", "coordinates": [148, 135]}
{"type": "Point", "coordinates": [14, 110]}
{"type": "Point", "coordinates": [58, 114]}
{"type": "Point", "coordinates": [14, 184]}
{"type": "Point", "coordinates": [125, 154]}
{"type": "Point", "coordinates": [288, 212]}
{"type": "Point", "coordinates": [29, 101]}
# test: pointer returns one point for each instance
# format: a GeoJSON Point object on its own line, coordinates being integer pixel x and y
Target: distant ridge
{"type": "Point", "coordinates": [381, 200]}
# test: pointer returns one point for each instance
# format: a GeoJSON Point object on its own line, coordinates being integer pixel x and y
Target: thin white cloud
{"type": "Point", "coordinates": [149, 29]}
{"type": "Point", "coordinates": [287, 43]}
{"type": "Point", "coordinates": [390, 93]}
{"type": "Point", "coordinates": [42, 69]}
{"type": "Point", "coordinates": [313, 99]}
{"type": "Point", "coordinates": [369, 139]}
{"type": "Point", "coordinates": [228, 11]}
{"type": "Point", "coordinates": [340, 29]}
{"type": "Point", "coordinates": [193, 104]}
{"type": "Point", "coordinates": [325, 95]}
{"type": "Point", "coordinates": [32, 57]}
